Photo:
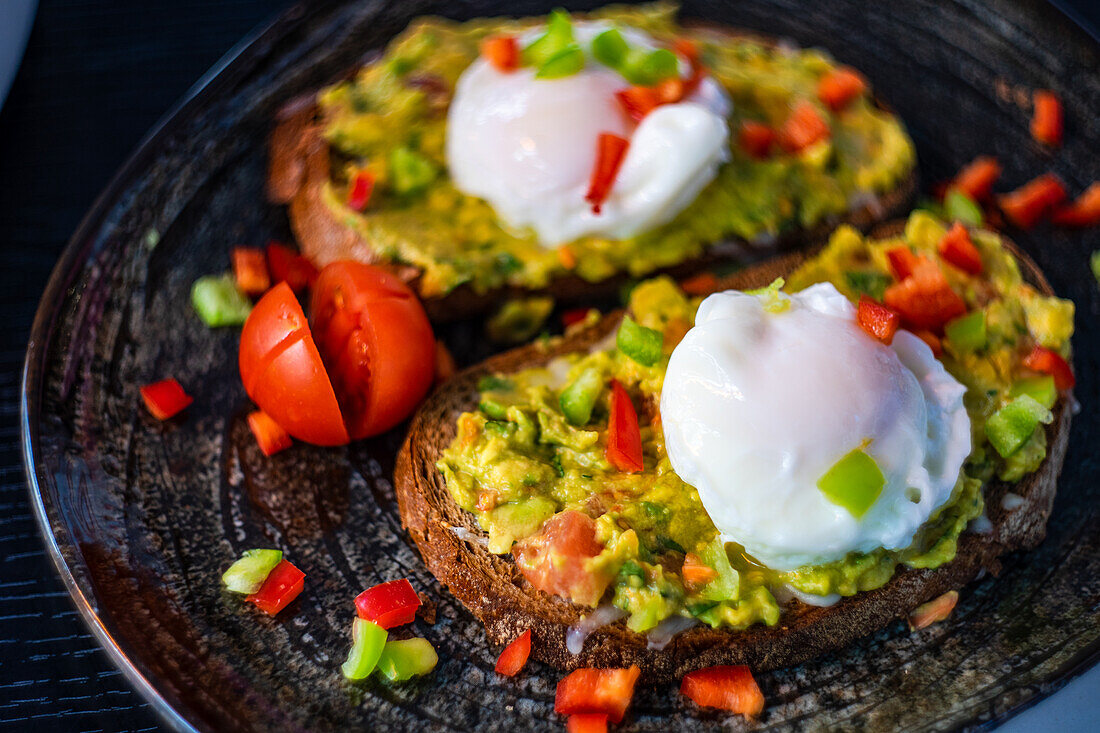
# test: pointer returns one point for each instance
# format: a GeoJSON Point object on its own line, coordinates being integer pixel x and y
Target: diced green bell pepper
{"type": "Point", "coordinates": [1094, 263]}
{"type": "Point", "coordinates": [218, 301]}
{"type": "Point", "coordinates": [960, 207]}
{"type": "Point", "coordinates": [558, 35]}
{"type": "Point", "coordinates": [641, 344]}
{"type": "Point", "coordinates": [854, 482]}
{"type": "Point", "coordinates": [728, 583]}
{"type": "Point", "coordinates": [610, 48]}
{"type": "Point", "coordinates": [249, 573]}
{"type": "Point", "coordinates": [1041, 389]}
{"type": "Point", "coordinates": [368, 640]}
{"type": "Point", "coordinates": [493, 383]}
{"type": "Point", "coordinates": [967, 333]}
{"type": "Point", "coordinates": [578, 399]}
{"type": "Point", "coordinates": [1011, 426]}
{"type": "Point", "coordinates": [407, 658]}
{"type": "Point", "coordinates": [410, 171]}
{"type": "Point", "coordinates": [565, 62]}
{"type": "Point", "coordinates": [647, 68]}
{"type": "Point", "coordinates": [495, 410]}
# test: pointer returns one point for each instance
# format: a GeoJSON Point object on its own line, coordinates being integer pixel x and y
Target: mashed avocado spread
{"type": "Point", "coordinates": [390, 120]}
{"type": "Point", "coordinates": [534, 451]}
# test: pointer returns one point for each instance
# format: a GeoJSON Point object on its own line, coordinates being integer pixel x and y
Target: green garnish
{"type": "Point", "coordinates": [249, 573]}
{"type": "Point", "coordinates": [854, 482]}
{"type": "Point", "coordinates": [218, 301]}
{"type": "Point", "coordinates": [641, 344]}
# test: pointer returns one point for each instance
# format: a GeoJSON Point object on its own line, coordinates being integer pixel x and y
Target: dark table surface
{"type": "Point", "coordinates": [96, 76]}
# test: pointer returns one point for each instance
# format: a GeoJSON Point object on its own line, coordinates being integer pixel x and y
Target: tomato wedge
{"type": "Point", "coordinates": [514, 656]}
{"type": "Point", "coordinates": [375, 339]}
{"type": "Point", "coordinates": [283, 373]}
{"type": "Point", "coordinates": [602, 691]}
{"type": "Point", "coordinates": [728, 688]}
{"type": "Point", "coordinates": [624, 438]}
{"type": "Point", "coordinates": [283, 584]}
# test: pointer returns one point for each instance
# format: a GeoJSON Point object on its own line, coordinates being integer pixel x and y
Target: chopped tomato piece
{"type": "Point", "coordinates": [574, 316]}
{"type": "Point", "coordinates": [696, 573]}
{"type": "Point", "coordinates": [250, 270]}
{"type": "Point", "coordinates": [932, 340]}
{"type": "Point", "coordinates": [1045, 361]}
{"type": "Point", "coordinates": [566, 257]}
{"type": "Point", "coordinates": [606, 691]}
{"type": "Point", "coordinates": [288, 266]}
{"type": "Point", "coordinates": [553, 560]}
{"type": "Point", "coordinates": [704, 283]}
{"type": "Point", "coordinates": [756, 139]}
{"type": "Point", "coordinates": [388, 604]}
{"type": "Point", "coordinates": [638, 101]}
{"type": "Point", "coordinates": [957, 248]}
{"type": "Point", "coordinates": [688, 49]}
{"type": "Point", "coordinates": [877, 320]}
{"type": "Point", "coordinates": [727, 688]}
{"type": "Point", "coordinates": [839, 87]}
{"type": "Point", "coordinates": [269, 435]}
{"type": "Point", "coordinates": [902, 261]}
{"type": "Point", "coordinates": [586, 723]}
{"type": "Point", "coordinates": [624, 438]}
{"type": "Point", "coordinates": [925, 300]}
{"type": "Point", "coordinates": [937, 609]}
{"type": "Point", "coordinates": [804, 127]}
{"type": "Point", "coordinates": [1046, 123]}
{"type": "Point", "coordinates": [502, 52]}
{"type": "Point", "coordinates": [282, 586]}
{"type": "Point", "coordinates": [977, 178]}
{"type": "Point", "coordinates": [360, 190]}
{"type": "Point", "coordinates": [165, 398]}
{"type": "Point", "coordinates": [1027, 204]}
{"type": "Point", "coordinates": [671, 90]}
{"type": "Point", "coordinates": [514, 656]}
{"type": "Point", "coordinates": [1083, 212]}
{"type": "Point", "coordinates": [610, 151]}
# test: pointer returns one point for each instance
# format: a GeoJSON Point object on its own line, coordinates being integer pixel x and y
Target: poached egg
{"type": "Point", "coordinates": [759, 403]}
{"type": "Point", "coordinates": [528, 146]}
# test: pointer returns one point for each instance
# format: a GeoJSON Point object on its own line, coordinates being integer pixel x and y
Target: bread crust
{"type": "Point", "coordinates": [493, 589]}
{"type": "Point", "coordinates": [299, 167]}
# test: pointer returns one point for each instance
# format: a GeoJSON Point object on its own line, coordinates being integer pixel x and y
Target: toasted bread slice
{"type": "Point", "coordinates": [299, 167]}
{"type": "Point", "coordinates": [495, 591]}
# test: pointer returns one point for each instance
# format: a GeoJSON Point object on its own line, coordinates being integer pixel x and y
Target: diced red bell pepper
{"type": "Point", "coordinates": [624, 437]}
{"type": "Point", "coordinates": [902, 261]}
{"type": "Point", "coordinates": [932, 340]}
{"type": "Point", "coordinates": [1045, 361]}
{"type": "Point", "coordinates": [671, 90]}
{"type": "Point", "coordinates": [606, 691]}
{"type": "Point", "coordinates": [704, 283]}
{"type": "Point", "coordinates": [388, 604]}
{"type": "Point", "coordinates": [688, 49]}
{"type": "Point", "coordinates": [839, 87]}
{"type": "Point", "coordinates": [1083, 212]}
{"type": "Point", "coordinates": [282, 586]}
{"type": "Point", "coordinates": [1046, 123]}
{"type": "Point", "coordinates": [727, 688]}
{"type": "Point", "coordinates": [925, 298]}
{"type": "Point", "coordinates": [250, 270]}
{"type": "Point", "coordinates": [977, 178]}
{"type": "Point", "coordinates": [804, 127]}
{"type": "Point", "coordinates": [270, 436]}
{"type": "Point", "coordinates": [610, 151]}
{"type": "Point", "coordinates": [515, 655]}
{"type": "Point", "coordinates": [362, 184]}
{"type": "Point", "coordinates": [288, 266]}
{"type": "Point", "coordinates": [638, 101]}
{"type": "Point", "coordinates": [586, 723]}
{"type": "Point", "coordinates": [957, 248]}
{"type": "Point", "coordinates": [502, 52]}
{"type": "Point", "coordinates": [566, 257]}
{"type": "Point", "coordinates": [695, 572]}
{"type": "Point", "coordinates": [756, 139]}
{"type": "Point", "coordinates": [574, 316]}
{"type": "Point", "coordinates": [165, 398]}
{"type": "Point", "coordinates": [877, 320]}
{"type": "Point", "coordinates": [1027, 204]}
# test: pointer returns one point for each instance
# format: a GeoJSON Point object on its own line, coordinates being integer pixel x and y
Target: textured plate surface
{"type": "Point", "coordinates": [143, 516]}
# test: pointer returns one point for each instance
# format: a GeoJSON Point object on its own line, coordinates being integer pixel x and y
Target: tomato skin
{"type": "Point", "coordinates": [377, 342]}
{"type": "Point", "coordinates": [282, 370]}
{"type": "Point", "coordinates": [553, 560]}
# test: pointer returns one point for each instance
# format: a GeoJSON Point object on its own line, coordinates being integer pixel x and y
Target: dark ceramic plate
{"type": "Point", "coordinates": [142, 516]}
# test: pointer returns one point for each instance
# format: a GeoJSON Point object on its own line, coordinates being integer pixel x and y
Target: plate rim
{"type": "Point", "coordinates": [73, 258]}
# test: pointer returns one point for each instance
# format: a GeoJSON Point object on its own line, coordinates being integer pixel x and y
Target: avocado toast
{"type": "Point", "coordinates": [452, 542]}
{"type": "Point", "coordinates": [392, 116]}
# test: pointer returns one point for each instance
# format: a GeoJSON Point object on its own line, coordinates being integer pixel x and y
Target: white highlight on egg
{"type": "Point", "coordinates": [757, 406]}
{"type": "Point", "coordinates": [528, 146]}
